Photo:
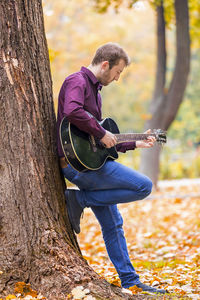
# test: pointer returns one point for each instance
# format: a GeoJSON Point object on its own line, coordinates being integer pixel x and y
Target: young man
{"type": "Point", "coordinates": [113, 183]}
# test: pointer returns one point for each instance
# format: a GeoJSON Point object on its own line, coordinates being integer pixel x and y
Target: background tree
{"type": "Point", "coordinates": [166, 101]}
{"type": "Point", "coordinates": [37, 244]}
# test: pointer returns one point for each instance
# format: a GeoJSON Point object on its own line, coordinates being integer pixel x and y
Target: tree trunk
{"type": "Point", "coordinates": [165, 104]}
{"type": "Point", "coordinates": [37, 244]}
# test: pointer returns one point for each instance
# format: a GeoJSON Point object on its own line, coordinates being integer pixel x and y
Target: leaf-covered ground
{"type": "Point", "coordinates": [163, 237]}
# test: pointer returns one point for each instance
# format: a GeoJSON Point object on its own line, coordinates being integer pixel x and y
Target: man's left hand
{"type": "Point", "coordinates": [148, 143]}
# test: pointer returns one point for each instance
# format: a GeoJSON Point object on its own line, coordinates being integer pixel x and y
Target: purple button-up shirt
{"type": "Point", "coordinates": [79, 94]}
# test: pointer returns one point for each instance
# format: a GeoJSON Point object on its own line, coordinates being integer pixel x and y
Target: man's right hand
{"type": "Point", "coordinates": [109, 139]}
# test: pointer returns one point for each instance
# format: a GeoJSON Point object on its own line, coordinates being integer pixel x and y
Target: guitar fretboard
{"type": "Point", "coordinates": [130, 137]}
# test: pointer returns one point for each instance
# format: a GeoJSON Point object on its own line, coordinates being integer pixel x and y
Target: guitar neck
{"type": "Point", "coordinates": [130, 137]}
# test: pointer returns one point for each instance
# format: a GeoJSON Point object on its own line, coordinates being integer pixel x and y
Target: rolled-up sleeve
{"type": "Point", "coordinates": [123, 147]}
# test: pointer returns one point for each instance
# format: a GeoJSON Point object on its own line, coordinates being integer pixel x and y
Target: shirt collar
{"type": "Point", "coordinates": [92, 77]}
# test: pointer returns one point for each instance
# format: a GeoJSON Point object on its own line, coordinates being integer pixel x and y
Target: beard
{"type": "Point", "coordinates": [105, 78]}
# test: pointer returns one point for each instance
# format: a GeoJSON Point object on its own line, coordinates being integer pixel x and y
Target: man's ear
{"type": "Point", "coordinates": [105, 65]}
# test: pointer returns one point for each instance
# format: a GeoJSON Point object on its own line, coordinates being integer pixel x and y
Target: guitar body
{"type": "Point", "coordinates": [82, 151]}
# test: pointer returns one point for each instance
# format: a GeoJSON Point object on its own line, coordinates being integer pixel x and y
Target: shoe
{"type": "Point", "coordinates": [74, 209]}
{"type": "Point", "coordinates": [150, 289]}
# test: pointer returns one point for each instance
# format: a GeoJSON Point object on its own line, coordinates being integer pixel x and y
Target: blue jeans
{"type": "Point", "coordinates": [102, 190]}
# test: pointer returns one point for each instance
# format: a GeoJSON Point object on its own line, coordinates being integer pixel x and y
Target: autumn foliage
{"type": "Point", "coordinates": [163, 237]}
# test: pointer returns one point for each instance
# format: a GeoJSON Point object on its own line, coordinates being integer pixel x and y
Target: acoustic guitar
{"type": "Point", "coordinates": [85, 152]}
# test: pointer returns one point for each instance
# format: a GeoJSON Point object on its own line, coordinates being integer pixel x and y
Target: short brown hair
{"type": "Point", "coordinates": [111, 52]}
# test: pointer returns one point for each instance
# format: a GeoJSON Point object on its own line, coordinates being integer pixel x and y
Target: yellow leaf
{"type": "Point", "coordinates": [24, 289]}
{"type": "Point", "coordinates": [134, 289]}
{"type": "Point", "coordinates": [177, 200]}
{"type": "Point", "coordinates": [19, 287]}
{"type": "Point", "coordinates": [10, 297]}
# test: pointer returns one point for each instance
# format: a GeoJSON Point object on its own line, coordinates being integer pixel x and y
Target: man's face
{"type": "Point", "coordinates": [108, 75]}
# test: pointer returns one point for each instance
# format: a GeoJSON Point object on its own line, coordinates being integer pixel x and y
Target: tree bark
{"type": "Point", "coordinates": [165, 104]}
{"type": "Point", "coordinates": [37, 244]}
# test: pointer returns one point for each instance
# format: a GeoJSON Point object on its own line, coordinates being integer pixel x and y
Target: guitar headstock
{"type": "Point", "coordinates": [160, 136]}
